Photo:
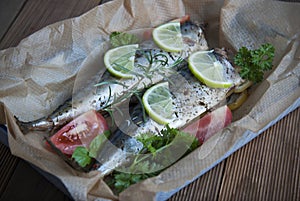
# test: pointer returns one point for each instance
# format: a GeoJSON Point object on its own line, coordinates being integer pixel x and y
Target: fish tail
{"type": "Point", "coordinates": [37, 125]}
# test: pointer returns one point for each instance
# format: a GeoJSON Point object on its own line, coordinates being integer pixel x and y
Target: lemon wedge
{"type": "Point", "coordinates": [205, 67]}
{"type": "Point", "coordinates": [119, 61]}
{"type": "Point", "coordinates": [168, 37]}
{"type": "Point", "coordinates": [157, 101]}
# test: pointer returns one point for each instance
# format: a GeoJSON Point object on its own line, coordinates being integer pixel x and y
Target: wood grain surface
{"type": "Point", "coordinates": [267, 168]}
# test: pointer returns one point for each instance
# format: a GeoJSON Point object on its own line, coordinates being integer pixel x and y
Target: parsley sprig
{"type": "Point", "coordinates": [155, 156]}
{"type": "Point", "coordinates": [253, 63]}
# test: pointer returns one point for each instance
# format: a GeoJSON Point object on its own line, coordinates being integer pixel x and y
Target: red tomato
{"type": "Point", "coordinates": [79, 132]}
{"type": "Point", "coordinates": [210, 124]}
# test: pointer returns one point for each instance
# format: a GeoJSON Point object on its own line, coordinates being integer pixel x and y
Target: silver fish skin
{"type": "Point", "coordinates": [100, 97]}
{"type": "Point", "coordinates": [190, 99]}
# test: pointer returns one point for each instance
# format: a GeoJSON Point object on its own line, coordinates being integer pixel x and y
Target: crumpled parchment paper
{"type": "Point", "coordinates": [38, 75]}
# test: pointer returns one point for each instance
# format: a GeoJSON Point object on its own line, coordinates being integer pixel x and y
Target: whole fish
{"type": "Point", "coordinates": [111, 90]}
{"type": "Point", "coordinates": [190, 99]}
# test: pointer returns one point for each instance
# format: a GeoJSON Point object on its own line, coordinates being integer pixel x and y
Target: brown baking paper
{"type": "Point", "coordinates": [39, 75]}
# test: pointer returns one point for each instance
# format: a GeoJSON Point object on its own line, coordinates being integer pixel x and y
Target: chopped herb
{"type": "Point", "coordinates": [118, 39]}
{"type": "Point", "coordinates": [254, 63]}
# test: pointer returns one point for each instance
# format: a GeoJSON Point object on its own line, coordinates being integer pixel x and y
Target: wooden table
{"type": "Point", "coordinates": [267, 168]}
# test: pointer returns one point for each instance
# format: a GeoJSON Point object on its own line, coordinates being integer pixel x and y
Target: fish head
{"type": "Point", "coordinates": [193, 36]}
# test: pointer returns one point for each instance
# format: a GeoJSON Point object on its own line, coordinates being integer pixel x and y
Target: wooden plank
{"type": "Point", "coordinates": [204, 188]}
{"type": "Point", "coordinates": [27, 184]}
{"type": "Point", "coordinates": [268, 167]}
{"type": "Point", "coordinates": [8, 164]}
{"type": "Point", "coordinates": [38, 14]}
{"type": "Point", "coordinates": [9, 10]}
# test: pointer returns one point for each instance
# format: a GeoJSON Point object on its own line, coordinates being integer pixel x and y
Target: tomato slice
{"type": "Point", "coordinates": [210, 124]}
{"type": "Point", "coordinates": [79, 132]}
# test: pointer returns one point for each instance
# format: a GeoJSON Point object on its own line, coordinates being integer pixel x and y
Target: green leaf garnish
{"type": "Point", "coordinates": [118, 39]}
{"type": "Point", "coordinates": [254, 63]}
{"type": "Point", "coordinates": [81, 156]}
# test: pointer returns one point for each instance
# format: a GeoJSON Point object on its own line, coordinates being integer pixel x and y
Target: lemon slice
{"type": "Point", "coordinates": [157, 101]}
{"type": "Point", "coordinates": [168, 37]}
{"type": "Point", "coordinates": [119, 61]}
{"type": "Point", "coordinates": [210, 71]}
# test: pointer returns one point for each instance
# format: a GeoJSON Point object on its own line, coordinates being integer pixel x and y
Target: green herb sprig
{"type": "Point", "coordinates": [157, 152]}
{"type": "Point", "coordinates": [253, 63]}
